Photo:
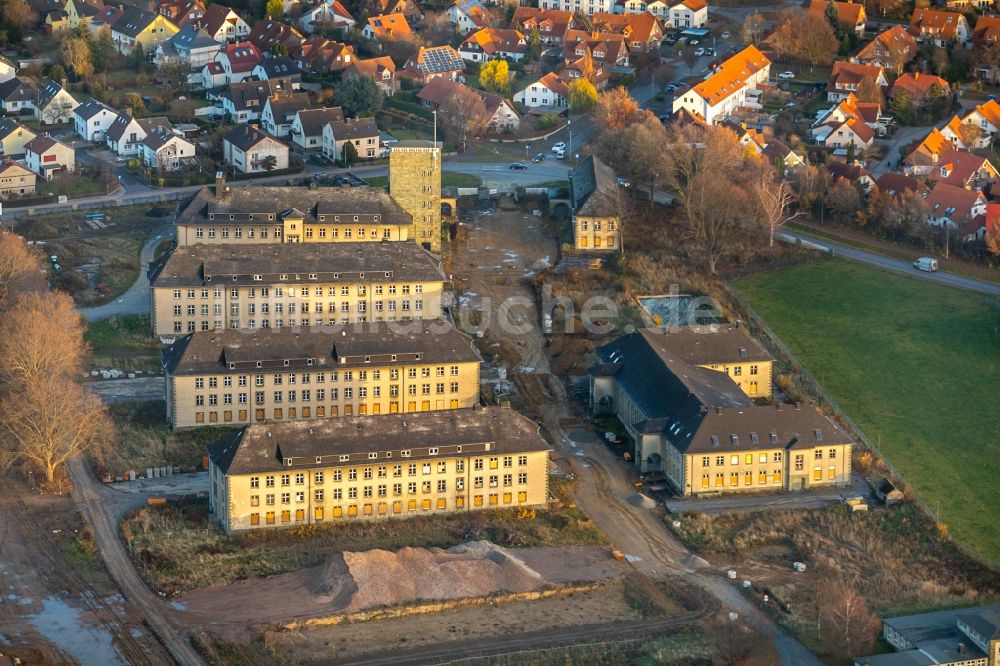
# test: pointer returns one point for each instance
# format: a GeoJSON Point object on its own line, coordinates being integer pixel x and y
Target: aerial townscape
{"type": "Point", "coordinates": [518, 333]}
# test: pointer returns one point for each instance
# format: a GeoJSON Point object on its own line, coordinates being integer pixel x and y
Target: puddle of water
{"type": "Point", "coordinates": [62, 624]}
{"type": "Point", "coordinates": [178, 605]}
{"type": "Point", "coordinates": [136, 633]}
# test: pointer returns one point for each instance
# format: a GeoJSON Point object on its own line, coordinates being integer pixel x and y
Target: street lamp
{"type": "Point", "coordinates": [527, 149]}
{"type": "Point", "coordinates": [569, 125]}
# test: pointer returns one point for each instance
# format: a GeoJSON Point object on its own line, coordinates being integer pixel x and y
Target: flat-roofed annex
{"type": "Point", "coordinates": [318, 347]}
{"type": "Point", "coordinates": [392, 437]}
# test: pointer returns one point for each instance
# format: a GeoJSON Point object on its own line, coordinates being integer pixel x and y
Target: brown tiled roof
{"type": "Point", "coordinates": [707, 345]}
{"type": "Point", "coordinates": [918, 83]}
{"type": "Point", "coordinates": [354, 128]}
{"type": "Point", "coordinates": [963, 166]}
{"type": "Point", "coordinates": [313, 120]}
{"type": "Point", "coordinates": [493, 40]}
{"type": "Point", "coordinates": [214, 18]}
{"type": "Point", "coordinates": [987, 30]}
{"type": "Point", "coordinates": [389, 25]}
{"type": "Point", "coordinates": [266, 33]}
{"type": "Point", "coordinates": [938, 24]}
{"type": "Point", "coordinates": [268, 447]}
{"type": "Point", "coordinates": [945, 196]}
{"type": "Point", "coordinates": [897, 183]}
{"type": "Point", "coordinates": [849, 14]}
{"type": "Point", "coordinates": [319, 348]}
{"type": "Point", "coordinates": [885, 41]}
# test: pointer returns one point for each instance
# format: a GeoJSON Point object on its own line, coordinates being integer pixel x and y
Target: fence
{"type": "Point", "coordinates": [763, 332]}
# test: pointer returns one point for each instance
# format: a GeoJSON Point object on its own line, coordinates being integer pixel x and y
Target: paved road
{"type": "Point", "coordinates": [894, 148]}
{"type": "Point", "coordinates": [139, 389]}
{"type": "Point", "coordinates": [816, 498]}
{"type": "Point", "coordinates": [88, 496]}
{"type": "Point", "coordinates": [136, 299]}
{"type": "Point", "coordinates": [897, 265]}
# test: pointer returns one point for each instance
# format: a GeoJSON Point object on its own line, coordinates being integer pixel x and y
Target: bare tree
{"type": "Point", "coordinates": [463, 115]}
{"type": "Point", "coordinates": [736, 644]}
{"type": "Point", "coordinates": [899, 54]}
{"type": "Point", "coordinates": [844, 200]}
{"type": "Point", "coordinates": [76, 55]}
{"type": "Point", "coordinates": [41, 341]}
{"type": "Point", "coordinates": [850, 626]}
{"type": "Point", "coordinates": [805, 37]}
{"type": "Point", "coordinates": [616, 109]}
{"type": "Point", "coordinates": [48, 425]}
{"type": "Point", "coordinates": [773, 197]}
{"type": "Point", "coordinates": [20, 268]}
{"type": "Point", "coordinates": [19, 13]}
{"type": "Point", "coordinates": [753, 28]}
{"type": "Point", "coordinates": [705, 168]}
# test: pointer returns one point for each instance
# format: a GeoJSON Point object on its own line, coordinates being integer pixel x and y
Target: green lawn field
{"type": "Point", "coordinates": [915, 365]}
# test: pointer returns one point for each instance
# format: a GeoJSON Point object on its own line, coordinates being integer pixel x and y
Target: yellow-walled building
{"type": "Point", "coordinates": [230, 377]}
{"type": "Point", "coordinates": [415, 184]}
{"type": "Point", "coordinates": [267, 215]}
{"type": "Point", "coordinates": [210, 287]}
{"type": "Point", "coordinates": [595, 198]}
{"type": "Point", "coordinates": [368, 468]}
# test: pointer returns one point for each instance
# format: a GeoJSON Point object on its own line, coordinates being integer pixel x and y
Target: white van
{"type": "Point", "coordinates": [926, 264]}
{"type": "Point", "coordinates": [560, 154]}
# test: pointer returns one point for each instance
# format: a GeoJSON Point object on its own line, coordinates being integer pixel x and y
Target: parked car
{"type": "Point", "coordinates": [710, 51]}
{"type": "Point", "coordinates": [560, 154]}
{"type": "Point", "coordinates": [926, 264]}
{"type": "Point", "coordinates": [699, 52]}
{"type": "Point", "coordinates": [518, 166]}
{"type": "Point", "coordinates": [786, 75]}
{"type": "Point", "coordinates": [693, 42]}
{"type": "Point", "coordinates": [726, 35]}
{"type": "Point", "coordinates": [538, 158]}
{"type": "Point", "coordinates": [558, 146]}
{"type": "Point", "coordinates": [624, 182]}
{"type": "Point", "coordinates": [670, 88]}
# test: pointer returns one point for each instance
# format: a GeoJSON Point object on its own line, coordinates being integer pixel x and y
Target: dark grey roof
{"type": "Point", "coordinates": [133, 21]}
{"type": "Point", "coordinates": [247, 94]}
{"type": "Point", "coordinates": [159, 137]}
{"type": "Point", "coordinates": [245, 137]}
{"type": "Point", "coordinates": [593, 188]}
{"type": "Point", "coordinates": [252, 205]}
{"type": "Point", "coordinates": [354, 128]}
{"type": "Point", "coordinates": [278, 67]}
{"type": "Point", "coordinates": [348, 263]}
{"type": "Point", "coordinates": [935, 637]}
{"type": "Point", "coordinates": [148, 125]}
{"type": "Point", "coordinates": [706, 345]}
{"type": "Point", "coordinates": [313, 120]}
{"type": "Point", "coordinates": [18, 90]}
{"type": "Point", "coordinates": [985, 622]}
{"type": "Point", "coordinates": [9, 125]}
{"type": "Point", "coordinates": [193, 37]}
{"type": "Point", "coordinates": [91, 107]}
{"type": "Point", "coordinates": [42, 143]}
{"type": "Point", "coordinates": [319, 348]}
{"type": "Point", "coordinates": [285, 105]}
{"type": "Point", "coordinates": [46, 94]}
{"type": "Point", "coordinates": [267, 447]}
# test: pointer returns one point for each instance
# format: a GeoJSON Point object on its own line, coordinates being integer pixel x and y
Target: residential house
{"type": "Point", "coordinates": [181, 12]}
{"type": "Point", "coordinates": [335, 265]}
{"type": "Point", "coordinates": [468, 16]}
{"type": "Point", "coordinates": [549, 93]}
{"type": "Point", "coordinates": [81, 12]}
{"type": "Point", "coordinates": [783, 157]}
{"type": "Point", "coordinates": [137, 27]}
{"type": "Point", "coordinates": [278, 67]}
{"type": "Point", "coordinates": [408, 8]}
{"type": "Point", "coordinates": [244, 102]}
{"type": "Point", "coordinates": [224, 25]}
{"type": "Point", "coordinates": [961, 137]}
{"type": "Point", "coordinates": [574, 69]}
{"type": "Point", "coordinates": [237, 61]}
{"type": "Point", "coordinates": [750, 139]}
{"type": "Point", "coordinates": [13, 137]}
{"type": "Point", "coordinates": [308, 124]}
{"type": "Point", "coordinates": [249, 150]}
{"type": "Point", "coordinates": [362, 133]}
{"type": "Point", "coordinates": [965, 169]}
{"type": "Point", "coordinates": [319, 55]}
{"type": "Point", "coordinates": [604, 48]}
{"type": "Point", "coordinates": [390, 25]}
{"type": "Point", "coordinates": [192, 46]}
{"type": "Point", "coordinates": [985, 117]}
{"type": "Point", "coordinates": [981, 225]}
{"type": "Point", "coordinates": [923, 157]}
{"type": "Point", "coordinates": [919, 86]}
{"type": "Point", "coordinates": [969, 5]}
{"type": "Point", "coordinates": [595, 201]}
{"type": "Point", "coordinates": [726, 89]}
{"type": "Point", "coordinates": [206, 358]}
{"type": "Point", "coordinates": [53, 14]}
{"type": "Point", "coordinates": [869, 112]}
{"type": "Point", "coordinates": [939, 28]}
{"type": "Point", "coordinates": [689, 14]}
{"type": "Point", "coordinates": [281, 214]}
{"type": "Point", "coordinates": [212, 75]}
{"type": "Point", "coordinates": [382, 70]}
{"type": "Point", "coordinates": [127, 133]}
{"type": "Point", "coordinates": [493, 43]}
{"type": "Point", "coordinates": [897, 184]}
{"type": "Point", "coordinates": [850, 15]}
{"type": "Point", "coordinates": [551, 24]}
{"type": "Point", "coordinates": [92, 120]}
{"type": "Point", "coordinates": [54, 105]}
{"type": "Point", "coordinates": [852, 172]}
{"type": "Point", "coordinates": [434, 61]}
{"type": "Point", "coordinates": [891, 50]}
{"type": "Point", "coordinates": [16, 180]}
{"type": "Point", "coordinates": [280, 110]}
{"type": "Point", "coordinates": [960, 637]}
{"type": "Point", "coordinates": [47, 157]}
{"type": "Point", "coordinates": [448, 445]}
{"type": "Point", "coordinates": [953, 205]}
{"type": "Point", "coordinates": [166, 151]}
{"type": "Point", "coordinates": [987, 30]}
{"type": "Point", "coordinates": [851, 131]}
{"type": "Point", "coordinates": [8, 69]}
{"type": "Point", "coordinates": [502, 116]}
{"type": "Point", "coordinates": [701, 430]}
{"type": "Point", "coordinates": [589, 7]}
{"type": "Point", "coordinates": [864, 81]}
{"type": "Point", "coordinates": [328, 16]}
{"type": "Point", "coordinates": [266, 33]}
{"type": "Point", "coordinates": [18, 95]}
{"type": "Point", "coordinates": [642, 32]}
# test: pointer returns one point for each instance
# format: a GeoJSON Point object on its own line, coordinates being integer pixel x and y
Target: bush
{"type": "Point", "coordinates": [548, 121]}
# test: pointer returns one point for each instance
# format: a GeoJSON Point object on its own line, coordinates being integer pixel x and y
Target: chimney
{"type": "Point", "coordinates": [961, 648]}
{"type": "Point", "coordinates": [128, 111]}
{"type": "Point", "coordinates": [220, 184]}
